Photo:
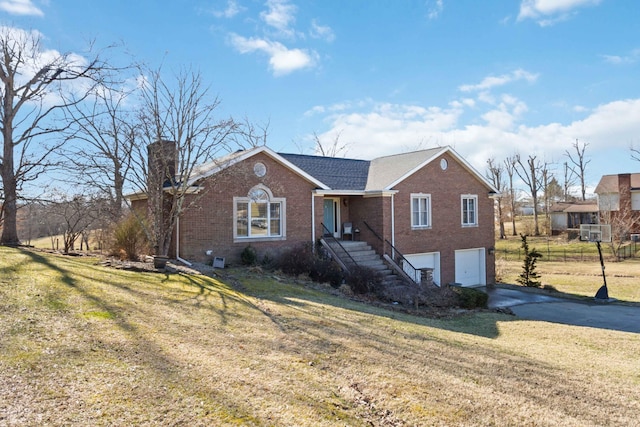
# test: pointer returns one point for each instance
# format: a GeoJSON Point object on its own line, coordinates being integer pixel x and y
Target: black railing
{"type": "Point", "coordinates": [397, 257]}
{"type": "Point", "coordinates": [328, 235]}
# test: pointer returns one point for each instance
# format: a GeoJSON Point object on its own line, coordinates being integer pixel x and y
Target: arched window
{"type": "Point", "coordinates": [259, 215]}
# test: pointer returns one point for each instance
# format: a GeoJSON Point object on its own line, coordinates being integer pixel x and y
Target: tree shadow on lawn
{"type": "Point", "coordinates": [144, 349]}
{"type": "Point", "coordinates": [298, 295]}
{"type": "Point", "coordinates": [344, 343]}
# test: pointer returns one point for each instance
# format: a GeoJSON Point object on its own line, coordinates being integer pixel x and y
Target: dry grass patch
{"type": "Point", "coordinates": [86, 345]}
{"type": "Point", "coordinates": [581, 278]}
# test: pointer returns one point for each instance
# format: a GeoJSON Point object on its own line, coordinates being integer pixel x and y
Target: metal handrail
{"type": "Point", "coordinates": [332, 238]}
{"type": "Point", "coordinates": [398, 256]}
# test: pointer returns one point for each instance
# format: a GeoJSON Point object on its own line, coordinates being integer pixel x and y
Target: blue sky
{"type": "Point", "coordinates": [489, 78]}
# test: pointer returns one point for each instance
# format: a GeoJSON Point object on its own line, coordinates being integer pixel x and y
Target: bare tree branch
{"type": "Point", "coordinates": [510, 167]}
{"type": "Point", "coordinates": [533, 176]}
{"type": "Point", "coordinates": [495, 176]}
{"type": "Point", "coordinates": [36, 86]}
{"type": "Point", "coordinates": [101, 139]}
{"type": "Point", "coordinates": [580, 163]}
{"type": "Point", "coordinates": [177, 123]}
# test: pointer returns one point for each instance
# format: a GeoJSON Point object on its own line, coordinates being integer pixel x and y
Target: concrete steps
{"type": "Point", "coordinates": [365, 256]}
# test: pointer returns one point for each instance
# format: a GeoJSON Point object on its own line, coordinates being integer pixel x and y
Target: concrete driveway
{"type": "Point", "coordinates": [536, 306]}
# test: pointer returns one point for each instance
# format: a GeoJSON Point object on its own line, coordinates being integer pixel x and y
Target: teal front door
{"type": "Point", "coordinates": [331, 215]}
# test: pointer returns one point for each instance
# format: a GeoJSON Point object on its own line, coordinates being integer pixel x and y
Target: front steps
{"type": "Point", "coordinates": [365, 256]}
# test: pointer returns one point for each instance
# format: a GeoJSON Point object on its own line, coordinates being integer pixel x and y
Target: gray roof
{"type": "Point", "coordinates": [387, 171]}
{"type": "Point", "coordinates": [340, 174]}
{"type": "Point", "coordinates": [336, 173]}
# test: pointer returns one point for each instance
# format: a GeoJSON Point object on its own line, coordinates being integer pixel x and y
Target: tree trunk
{"type": "Point", "coordinates": [10, 220]}
{"type": "Point", "coordinates": [501, 219]}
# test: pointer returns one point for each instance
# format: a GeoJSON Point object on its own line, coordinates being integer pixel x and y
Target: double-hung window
{"type": "Point", "coordinates": [469, 210]}
{"type": "Point", "coordinates": [420, 211]}
{"type": "Point", "coordinates": [259, 215]}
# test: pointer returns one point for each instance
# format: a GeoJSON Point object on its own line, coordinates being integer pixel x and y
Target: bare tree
{"type": "Point", "coordinates": [510, 167]}
{"type": "Point", "coordinates": [332, 149]}
{"type": "Point", "coordinates": [495, 175]}
{"type": "Point", "coordinates": [569, 181]}
{"type": "Point", "coordinates": [580, 163]}
{"type": "Point", "coordinates": [102, 136]}
{"type": "Point", "coordinates": [533, 176]}
{"type": "Point", "coordinates": [75, 215]}
{"type": "Point", "coordinates": [179, 131]}
{"type": "Point", "coordinates": [249, 134]}
{"type": "Point", "coordinates": [35, 86]}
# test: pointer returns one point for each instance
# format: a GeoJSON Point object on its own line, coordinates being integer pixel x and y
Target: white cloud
{"type": "Point", "coordinates": [280, 15]}
{"type": "Point", "coordinates": [282, 60]}
{"type": "Point", "coordinates": [279, 19]}
{"type": "Point", "coordinates": [232, 9]}
{"type": "Point", "coordinates": [20, 7]}
{"type": "Point", "coordinates": [494, 81]}
{"type": "Point", "coordinates": [549, 12]}
{"type": "Point", "coordinates": [435, 8]}
{"type": "Point", "coordinates": [391, 128]}
{"type": "Point", "coordinates": [321, 31]}
{"type": "Point", "coordinates": [631, 58]}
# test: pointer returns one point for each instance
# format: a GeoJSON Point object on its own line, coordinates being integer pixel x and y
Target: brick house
{"type": "Point", "coordinates": [429, 205]}
{"type": "Point", "coordinates": [619, 202]}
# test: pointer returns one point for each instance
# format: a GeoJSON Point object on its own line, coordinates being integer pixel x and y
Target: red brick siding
{"type": "Point", "coordinates": [376, 212]}
{"type": "Point", "coordinates": [446, 233]}
{"type": "Point", "coordinates": [209, 223]}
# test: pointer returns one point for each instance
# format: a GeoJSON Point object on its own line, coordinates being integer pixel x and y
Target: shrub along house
{"type": "Point", "coordinates": [430, 205]}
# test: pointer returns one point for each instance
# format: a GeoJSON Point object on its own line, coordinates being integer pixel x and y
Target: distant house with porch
{"type": "Point", "coordinates": [568, 216]}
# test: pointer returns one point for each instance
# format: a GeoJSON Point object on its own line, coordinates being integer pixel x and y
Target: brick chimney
{"type": "Point", "coordinates": [162, 156]}
{"type": "Point", "coordinates": [624, 191]}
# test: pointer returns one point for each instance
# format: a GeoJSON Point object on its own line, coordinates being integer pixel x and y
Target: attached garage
{"type": "Point", "coordinates": [471, 267]}
{"type": "Point", "coordinates": [427, 260]}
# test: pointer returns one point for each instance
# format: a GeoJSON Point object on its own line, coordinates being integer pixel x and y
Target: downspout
{"type": "Point", "coordinates": [313, 218]}
{"type": "Point", "coordinates": [393, 226]}
{"type": "Point", "coordinates": [184, 261]}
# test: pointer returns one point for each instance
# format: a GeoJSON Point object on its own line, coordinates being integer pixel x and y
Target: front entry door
{"type": "Point", "coordinates": [331, 217]}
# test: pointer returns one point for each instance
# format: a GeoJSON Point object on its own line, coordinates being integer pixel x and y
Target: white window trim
{"type": "Point", "coordinates": [272, 200]}
{"type": "Point", "coordinates": [429, 209]}
{"type": "Point", "coordinates": [474, 197]}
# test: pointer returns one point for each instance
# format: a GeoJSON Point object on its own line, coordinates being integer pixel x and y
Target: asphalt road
{"type": "Point", "coordinates": [590, 313]}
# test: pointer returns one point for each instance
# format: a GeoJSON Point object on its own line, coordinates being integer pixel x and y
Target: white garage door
{"type": "Point", "coordinates": [427, 260]}
{"type": "Point", "coordinates": [470, 267]}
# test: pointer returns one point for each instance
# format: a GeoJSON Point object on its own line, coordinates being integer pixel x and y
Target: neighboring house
{"type": "Point", "coordinates": [619, 200]}
{"type": "Point", "coordinates": [570, 215]}
{"type": "Point", "coordinates": [430, 205]}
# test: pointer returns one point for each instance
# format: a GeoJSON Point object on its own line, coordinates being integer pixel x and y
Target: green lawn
{"type": "Point", "coordinates": [82, 344]}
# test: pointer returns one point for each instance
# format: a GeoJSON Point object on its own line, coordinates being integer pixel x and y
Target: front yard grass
{"type": "Point", "coordinates": [82, 344]}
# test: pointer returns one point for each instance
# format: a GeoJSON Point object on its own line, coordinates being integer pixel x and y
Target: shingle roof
{"type": "Point", "coordinates": [336, 173]}
{"type": "Point", "coordinates": [575, 207]}
{"type": "Point", "coordinates": [387, 170]}
{"type": "Point", "coordinates": [340, 174]}
{"type": "Point", "coordinates": [609, 183]}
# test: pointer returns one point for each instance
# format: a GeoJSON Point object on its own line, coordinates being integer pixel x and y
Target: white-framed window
{"type": "Point", "coordinates": [469, 210]}
{"type": "Point", "coordinates": [259, 215]}
{"type": "Point", "coordinates": [420, 210]}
